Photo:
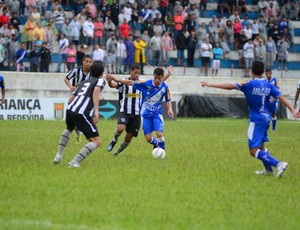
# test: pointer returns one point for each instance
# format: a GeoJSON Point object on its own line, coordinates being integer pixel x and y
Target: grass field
{"type": "Point", "coordinates": [207, 180]}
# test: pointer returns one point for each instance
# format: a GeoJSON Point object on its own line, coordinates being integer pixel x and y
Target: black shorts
{"type": "Point", "coordinates": [132, 123]}
{"type": "Point", "coordinates": [83, 123]}
{"type": "Point", "coordinates": [205, 60]}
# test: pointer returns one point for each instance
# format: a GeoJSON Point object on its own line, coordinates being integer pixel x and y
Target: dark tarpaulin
{"type": "Point", "coordinates": [196, 105]}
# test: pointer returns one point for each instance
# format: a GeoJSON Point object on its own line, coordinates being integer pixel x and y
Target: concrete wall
{"type": "Point", "coordinates": [51, 85]}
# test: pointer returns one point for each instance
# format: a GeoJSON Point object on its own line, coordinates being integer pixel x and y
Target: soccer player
{"type": "Point", "coordinates": [130, 105]}
{"type": "Point", "coordinates": [83, 103]}
{"type": "Point", "coordinates": [77, 75]}
{"type": "Point", "coordinates": [258, 92]}
{"type": "Point", "coordinates": [273, 101]}
{"type": "Point", "coordinates": [153, 92]}
{"type": "Point", "coordinates": [2, 86]}
{"type": "Point", "coordinates": [297, 95]}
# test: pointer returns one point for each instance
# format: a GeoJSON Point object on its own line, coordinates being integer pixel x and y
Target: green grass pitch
{"type": "Point", "coordinates": [207, 180]}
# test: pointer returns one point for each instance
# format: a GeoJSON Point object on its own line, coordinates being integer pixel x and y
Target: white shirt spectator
{"type": "Point", "coordinates": [249, 50]}
{"type": "Point", "coordinates": [248, 32]}
{"type": "Point", "coordinates": [254, 28]}
{"type": "Point", "coordinates": [205, 49]}
{"type": "Point", "coordinates": [88, 29]}
{"type": "Point", "coordinates": [75, 28]}
{"type": "Point", "coordinates": [128, 13]}
{"type": "Point", "coordinates": [155, 43]}
{"type": "Point", "coordinates": [99, 55]}
{"type": "Point", "coordinates": [121, 50]}
{"type": "Point", "coordinates": [63, 45]}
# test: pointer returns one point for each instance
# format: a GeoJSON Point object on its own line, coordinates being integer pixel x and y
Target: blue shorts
{"type": "Point", "coordinates": [273, 107]}
{"type": "Point", "coordinates": [153, 123]}
{"type": "Point", "coordinates": [257, 134]}
{"type": "Point", "coordinates": [180, 53]}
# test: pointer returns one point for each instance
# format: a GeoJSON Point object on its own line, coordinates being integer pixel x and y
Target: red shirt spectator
{"type": "Point", "coordinates": [124, 29]}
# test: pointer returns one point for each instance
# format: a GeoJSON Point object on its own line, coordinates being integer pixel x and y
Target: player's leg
{"type": "Point", "coordinates": [78, 135]}
{"type": "Point", "coordinates": [64, 138]}
{"type": "Point", "coordinates": [257, 135]}
{"type": "Point", "coordinates": [273, 110]}
{"type": "Point", "coordinates": [148, 129]}
{"type": "Point", "coordinates": [89, 129]}
{"type": "Point", "coordinates": [121, 125]}
{"type": "Point", "coordinates": [132, 130]}
{"type": "Point", "coordinates": [158, 124]}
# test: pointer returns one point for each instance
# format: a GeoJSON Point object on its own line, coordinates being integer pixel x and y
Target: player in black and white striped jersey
{"type": "Point", "coordinates": [129, 114]}
{"type": "Point", "coordinates": [77, 75]}
{"type": "Point", "coordinates": [83, 113]}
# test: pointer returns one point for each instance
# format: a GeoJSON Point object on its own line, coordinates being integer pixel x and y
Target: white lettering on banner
{"type": "Point", "coordinates": [25, 117]}
{"type": "Point", "coordinates": [21, 104]}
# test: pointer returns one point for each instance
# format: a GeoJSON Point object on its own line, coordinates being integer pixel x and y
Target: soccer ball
{"type": "Point", "coordinates": [159, 153]}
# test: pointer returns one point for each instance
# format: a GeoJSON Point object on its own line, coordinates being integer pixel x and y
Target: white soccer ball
{"type": "Point", "coordinates": [159, 153]}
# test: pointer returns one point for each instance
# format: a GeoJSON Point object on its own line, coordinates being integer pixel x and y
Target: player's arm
{"type": "Point", "coordinates": [170, 109]}
{"type": "Point", "coordinates": [70, 86]}
{"type": "Point", "coordinates": [227, 86]}
{"type": "Point", "coordinates": [296, 98]}
{"type": "Point", "coordinates": [96, 95]}
{"type": "Point", "coordinates": [71, 99]}
{"type": "Point", "coordinates": [122, 81]}
{"type": "Point", "coordinates": [110, 81]}
{"type": "Point", "coordinates": [3, 96]}
{"type": "Point", "coordinates": [295, 113]}
{"type": "Point", "coordinates": [170, 71]}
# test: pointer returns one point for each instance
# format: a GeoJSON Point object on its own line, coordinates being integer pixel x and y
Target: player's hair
{"type": "Point", "coordinates": [96, 70]}
{"type": "Point", "coordinates": [135, 66]}
{"type": "Point", "coordinates": [258, 68]}
{"type": "Point", "coordinates": [86, 56]}
{"type": "Point", "coordinates": [269, 70]}
{"type": "Point", "coordinates": [158, 71]}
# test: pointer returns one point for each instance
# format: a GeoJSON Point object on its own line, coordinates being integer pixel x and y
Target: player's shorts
{"type": "Point", "coordinates": [257, 134]}
{"type": "Point", "coordinates": [132, 123]}
{"type": "Point", "coordinates": [216, 64]}
{"type": "Point", "coordinates": [153, 123]}
{"type": "Point", "coordinates": [83, 123]}
{"type": "Point", "coordinates": [273, 107]}
{"type": "Point", "coordinates": [205, 61]}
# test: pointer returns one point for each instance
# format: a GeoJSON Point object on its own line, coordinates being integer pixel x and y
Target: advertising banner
{"type": "Point", "coordinates": [54, 109]}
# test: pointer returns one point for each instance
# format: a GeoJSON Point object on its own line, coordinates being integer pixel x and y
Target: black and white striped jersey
{"type": "Point", "coordinates": [83, 101]}
{"type": "Point", "coordinates": [129, 99]}
{"type": "Point", "coordinates": [77, 75]}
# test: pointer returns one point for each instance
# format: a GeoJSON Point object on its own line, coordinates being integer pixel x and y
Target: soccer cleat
{"type": "Point", "coordinates": [264, 173]}
{"type": "Point", "coordinates": [116, 154]}
{"type": "Point", "coordinates": [57, 158]}
{"type": "Point", "coordinates": [111, 145]}
{"type": "Point", "coordinates": [74, 164]}
{"type": "Point", "coordinates": [281, 167]}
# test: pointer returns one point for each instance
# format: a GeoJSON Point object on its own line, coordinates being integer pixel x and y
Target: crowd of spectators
{"type": "Point", "coordinates": [120, 33]}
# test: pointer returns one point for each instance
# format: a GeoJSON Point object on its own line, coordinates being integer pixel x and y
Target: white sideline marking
{"type": "Point", "coordinates": [45, 224]}
{"type": "Point", "coordinates": [212, 120]}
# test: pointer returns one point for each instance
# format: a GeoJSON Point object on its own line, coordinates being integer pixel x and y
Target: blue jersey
{"type": "Point", "coordinates": [152, 97]}
{"type": "Point", "coordinates": [257, 93]}
{"type": "Point", "coordinates": [2, 82]}
{"type": "Point", "coordinates": [274, 82]}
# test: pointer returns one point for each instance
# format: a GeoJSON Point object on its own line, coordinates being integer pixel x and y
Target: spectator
{"type": "Point", "coordinates": [20, 56]}
{"type": "Point", "coordinates": [29, 5]}
{"type": "Point", "coordinates": [155, 45]}
{"type": "Point", "coordinates": [124, 29]}
{"type": "Point", "coordinates": [59, 19]}
{"type": "Point", "coordinates": [148, 26]}
{"type": "Point", "coordinates": [166, 44]}
{"type": "Point", "coordinates": [111, 47]}
{"type": "Point", "coordinates": [255, 28]}
{"type": "Point", "coordinates": [178, 23]}
{"type": "Point", "coordinates": [71, 57]}
{"type": "Point", "coordinates": [201, 33]}
{"type": "Point", "coordinates": [50, 38]}
{"type": "Point", "coordinates": [114, 12]}
{"type": "Point", "coordinates": [249, 50]}
{"type": "Point", "coordinates": [36, 14]}
{"type": "Point", "coordinates": [206, 53]}
{"type": "Point", "coordinates": [248, 31]}
{"type": "Point", "coordinates": [45, 58]}
{"type": "Point", "coordinates": [193, 10]}
{"type": "Point", "coordinates": [213, 33]}
{"type": "Point", "coordinates": [33, 58]}
{"type": "Point", "coordinates": [75, 31]}
{"type": "Point", "coordinates": [62, 51]}
{"type": "Point", "coordinates": [139, 53]}
{"type": "Point", "coordinates": [98, 31]}
{"type": "Point", "coordinates": [242, 41]}
{"type": "Point", "coordinates": [99, 55]}
{"type": "Point", "coordinates": [225, 48]}
{"type": "Point", "coordinates": [14, 6]}
{"type": "Point", "coordinates": [231, 8]}
{"type": "Point", "coordinates": [180, 42]}
{"type": "Point", "coordinates": [177, 8]}
{"type": "Point", "coordinates": [203, 4]}
{"type": "Point", "coordinates": [271, 10]}
{"type": "Point", "coordinates": [262, 28]}
{"type": "Point", "coordinates": [4, 18]}
{"type": "Point", "coordinates": [5, 33]}
{"type": "Point", "coordinates": [241, 6]}
{"type": "Point", "coordinates": [146, 38]}
{"type": "Point", "coordinates": [191, 48]}
{"type": "Point", "coordinates": [14, 20]}
{"type": "Point", "coordinates": [67, 29]}
{"type": "Point", "coordinates": [190, 23]}
{"type": "Point", "coordinates": [11, 47]}
{"type": "Point", "coordinates": [27, 35]}
{"type": "Point", "coordinates": [291, 10]}
{"type": "Point", "coordinates": [262, 4]}
{"type": "Point", "coordinates": [103, 8]}
{"type": "Point", "coordinates": [158, 28]}
{"type": "Point", "coordinates": [282, 25]}
{"type": "Point", "coordinates": [217, 56]}
{"type": "Point", "coordinates": [134, 15]}
{"type": "Point", "coordinates": [234, 16]}
{"type": "Point", "coordinates": [270, 52]}
{"type": "Point", "coordinates": [237, 28]}
{"type": "Point", "coordinates": [121, 17]}
{"type": "Point", "coordinates": [120, 55]}
{"type": "Point", "coordinates": [291, 25]}
{"type": "Point", "coordinates": [109, 28]}
{"type": "Point", "coordinates": [40, 32]}
{"type": "Point", "coordinates": [223, 7]}
{"type": "Point", "coordinates": [2, 55]}
{"type": "Point", "coordinates": [146, 13]}
{"type": "Point", "coordinates": [88, 31]}
{"type": "Point", "coordinates": [286, 35]}
{"type": "Point", "coordinates": [91, 8]}
{"type": "Point", "coordinates": [155, 14]}
{"type": "Point", "coordinates": [229, 34]}
{"type": "Point", "coordinates": [129, 60]}
{"type": "Point", "coordinates": [77, 7]}
{"type": "Point", "coordinates": [260, 52]}
{"type": "Point", "coordinates": [43, 21]}
{"type": "Point", "coordinates": [282, 49]}
{"type": "Point", "coordinates": [81, 53]}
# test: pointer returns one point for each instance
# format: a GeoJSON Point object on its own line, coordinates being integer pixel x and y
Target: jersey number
{"type": "Point", "coordinates": [84, 88]}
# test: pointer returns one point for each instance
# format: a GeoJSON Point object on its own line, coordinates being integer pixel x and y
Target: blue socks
{"type": "Point", "coordinates": [274, 121]}
{"type": "Point", "coordinates": [154, 142]}
{"type": "Point", "coordinates": [161, 142]}
{"type": "Point", "coordinates": [266, 158]}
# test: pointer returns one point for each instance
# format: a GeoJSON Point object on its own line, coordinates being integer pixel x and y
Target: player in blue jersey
{"type": "Point", "coordinates": [258, 92]}
{"type": "Point", "coordinates": [273, 101]}
{"type": "Point", "coordinates": [153, 93]}
{"type": "Point", "coordinates": [2, 86]}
